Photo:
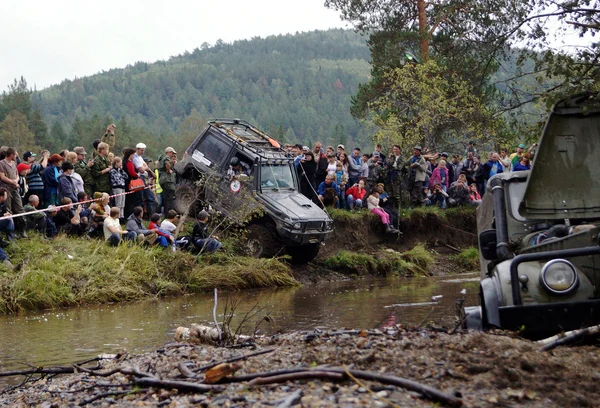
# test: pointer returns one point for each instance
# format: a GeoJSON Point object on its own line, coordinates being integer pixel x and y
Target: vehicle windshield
{"type": "Point", "coordinates": [276, 177]}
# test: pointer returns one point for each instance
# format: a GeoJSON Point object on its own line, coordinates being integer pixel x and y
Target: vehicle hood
{"type": "Point", "coordinates": [565, 178]}
{"type": "Point", "coordinates": [292, 205]}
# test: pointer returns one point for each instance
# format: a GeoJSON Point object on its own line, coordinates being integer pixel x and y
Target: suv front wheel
{"type": "Point", "coordinates": [261, 243]}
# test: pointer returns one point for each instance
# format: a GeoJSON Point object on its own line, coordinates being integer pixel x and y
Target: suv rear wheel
{"type": "Point", "coordinates": [261, 243]}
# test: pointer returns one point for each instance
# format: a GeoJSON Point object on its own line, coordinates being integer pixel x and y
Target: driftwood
{"type": "Point", "coordinates": [302, 375]}
{"type": "Point", "coordinates": [178, 385]}
{"type": "Point", "coordinates": [567, 338]}
{"type": "Point", "coordinates": [200, 334]}
{"type": "Point", "coordinates": [233, 359]}
{"type": "Point", "coordinates": [325, 372]}
{"type": "Point", "coordinates": [39, 370]}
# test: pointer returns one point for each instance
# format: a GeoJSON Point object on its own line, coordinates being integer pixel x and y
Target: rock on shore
{"type": "Point", "coordinates": [481, 370]}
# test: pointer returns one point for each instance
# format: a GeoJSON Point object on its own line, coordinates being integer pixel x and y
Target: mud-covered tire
{"type": "Point", "coordinates": [186, 200]}
{"type": "Point", "coordinates": [303, 254]}
{"type": "Point", "coordinates": [261, 242]}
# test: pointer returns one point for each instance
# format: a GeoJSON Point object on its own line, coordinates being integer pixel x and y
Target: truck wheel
{"type": "Point", "coordinates": [186, 198]}
{"type": "Point", "coordinates": [303, 254]}
{"type": "Point", "coordinates": [261, 242]}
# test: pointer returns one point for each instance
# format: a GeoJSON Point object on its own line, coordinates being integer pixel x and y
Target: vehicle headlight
{"type": "Point", "coordinates": [297, 226]}
{"type": "Point", "coordinates": [328, 225]}
{"type": "Point", "coordinates": [559, 277]}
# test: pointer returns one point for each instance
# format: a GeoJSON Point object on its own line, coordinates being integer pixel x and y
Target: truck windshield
{"type": "Point", "coordinates": [275, 177]}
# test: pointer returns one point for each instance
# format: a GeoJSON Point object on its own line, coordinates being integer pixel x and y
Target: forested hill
{"type": "Point", "coordinates": [297, 87]}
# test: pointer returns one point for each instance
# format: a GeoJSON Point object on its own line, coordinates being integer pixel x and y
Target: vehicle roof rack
{"type": "Point", "coordinates": [249, 136]}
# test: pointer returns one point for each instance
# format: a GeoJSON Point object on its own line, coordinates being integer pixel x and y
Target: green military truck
{"type": "Point", "coordinates": [264, 196]}
{"type": "Point", "coordinates": [539, 231]}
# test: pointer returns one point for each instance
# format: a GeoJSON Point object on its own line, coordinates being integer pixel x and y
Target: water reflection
{"type": "Point", "coordinates": [69, 335]}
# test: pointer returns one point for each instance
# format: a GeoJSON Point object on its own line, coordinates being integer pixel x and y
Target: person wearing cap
{"type": "Point", "coordinates": [340, 149]}
{"type": "Point", "coordinates": [84, 169]}
{"type": "Point", "coordinates": [109, 136]}
{"type": "Point", "coordinates": [9, 179]}
{"type": "Point", "coordinates": [101, 170]}
{"type": "Point", "coordinates": [167, 177]}
{"type": "Point", "coordinates": [417, 166]}
{"type": "Point", "coordinates": [201, 237]}
{"type": "Point", "coordinates": [516, 157]}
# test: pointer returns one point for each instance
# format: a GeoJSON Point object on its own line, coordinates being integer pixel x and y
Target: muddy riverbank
{"type": "Point", "coordinates": [470, 369]}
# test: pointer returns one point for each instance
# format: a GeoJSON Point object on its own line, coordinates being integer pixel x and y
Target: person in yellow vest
{"type": "Point", "coordinates": [159, 189]}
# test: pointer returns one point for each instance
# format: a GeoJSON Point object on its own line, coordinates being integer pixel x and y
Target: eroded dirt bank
{"type": "Point", "coordinates": [477, 369]}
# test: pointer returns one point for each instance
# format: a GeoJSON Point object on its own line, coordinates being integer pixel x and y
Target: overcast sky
{"type": "Point", "coordinates": [49, 41]}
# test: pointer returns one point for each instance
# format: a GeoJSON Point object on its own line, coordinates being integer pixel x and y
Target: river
{"type": "Point", "coordinates": [64, 336]}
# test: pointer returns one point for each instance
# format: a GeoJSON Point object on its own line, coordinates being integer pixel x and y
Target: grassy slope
{"type": "Point", "coordinates": [68, 272]}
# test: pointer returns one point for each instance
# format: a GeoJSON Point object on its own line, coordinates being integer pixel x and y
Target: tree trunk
{"type": "Point", "coordinates": [423, 32]}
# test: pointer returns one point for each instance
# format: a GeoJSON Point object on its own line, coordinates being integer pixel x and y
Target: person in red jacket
{"type": "Point", "coordinates": [355, 195]}
{"type": "Point", "coordinates": [134, 199]}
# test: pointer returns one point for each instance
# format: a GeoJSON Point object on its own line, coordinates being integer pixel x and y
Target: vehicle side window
{"type": "Point", "coordinates": [214, 149]}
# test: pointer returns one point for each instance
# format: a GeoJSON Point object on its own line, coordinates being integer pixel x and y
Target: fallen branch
{"type": "Point", "coordinates": [292, 400]}
{"type": "Point", "coordinates": [302, 375]}
{"type": "Point", "coordinates": [186, 372]}
{"type": "Point", "coordinates": [360, 384]}
{"type": "Point", "coordinates": [233, 359]}
{"type": "Point", "coordinates": [567, 338]}
{"type": "Point", "coordinates": [250, 377]}
{"type": "Point", "coordinates": [39, 370]}
{"type": "Point", "coordinates": [429, 392]}
{"type": "Point", "coordinates": [108, 394]}
{"type": "Point", "coordinates": [177, 385]}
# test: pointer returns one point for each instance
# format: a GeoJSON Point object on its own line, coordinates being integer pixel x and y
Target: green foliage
{"type": "Point", "coordinates": [468, 259]}
{"type": "Point", "coordinates": [15, 133]}
{"type": "Point", "coordinates": [68, 272]}
{"type": "Point", "coordinates": [409, 263]}
{"type": "Point", "coordinates": [426, 104]}
{"type": "Point", "coordinates": [293, 85]}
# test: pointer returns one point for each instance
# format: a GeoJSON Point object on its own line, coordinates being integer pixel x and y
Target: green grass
{"type": "Point", "coordinates": [69, 272]}
{"type": "Point", "coordinates": [410, 263]}
{"type": "Point", "coordinates": [468, 258]}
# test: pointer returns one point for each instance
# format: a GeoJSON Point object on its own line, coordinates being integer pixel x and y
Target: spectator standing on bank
{"type": "Point", "coordinates": [50, 177]}
{"type": "Point", "coordinates": [322, 164]}
{"type": "Point", "coordinates": [134, 198]}
{"type": "Point", "coordinates": [34, 178]}
{"type": "Point", "coordinates": [417, 166]}
{"type": "Point", "coordinates": [66, 185]}
{"type": "Point", "coordinates": [84, 169]}
{"type": "Point", "coordinates": [9, 179]}
{"type": "Point", "coordinates": [101, 170]}
{"type": "Point", "coordinates": [394, 175]}
{"type": "Point", "coordinates": [167, 177]}
{"type": "Point", "coordinates": [354, 164]}
{"type": "Point", "coordinates": [117, 182]}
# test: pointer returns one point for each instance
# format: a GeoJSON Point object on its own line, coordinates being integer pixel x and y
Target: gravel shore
{"type": "Point", "coordinates": [475, 369]}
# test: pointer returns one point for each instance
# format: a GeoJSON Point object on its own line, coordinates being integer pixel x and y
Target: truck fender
{"type": "Point", "coordinates": [490, 302]}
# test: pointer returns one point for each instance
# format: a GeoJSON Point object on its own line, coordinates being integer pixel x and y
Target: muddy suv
{"type": "Point", "coordinates": [539, 231]}
{"type": "Point", "coordinates": [261, 191]}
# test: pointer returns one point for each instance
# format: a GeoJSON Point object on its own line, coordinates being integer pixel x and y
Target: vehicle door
{"type": "Point", "coordinates": [210, 156]}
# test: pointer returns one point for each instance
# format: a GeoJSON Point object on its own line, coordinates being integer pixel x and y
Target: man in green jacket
{"type": "Point", "coordinates": [84, 169]}
{"type": "Point", "coordinates": [167, 177]}
{"type": "Point", "coordinates": [417, 165]}
{"type": "Point", "coordinates": [101, 170]}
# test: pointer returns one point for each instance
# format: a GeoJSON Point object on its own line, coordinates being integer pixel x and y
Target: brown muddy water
{"type": "Point", "coordinates": [64, 336]}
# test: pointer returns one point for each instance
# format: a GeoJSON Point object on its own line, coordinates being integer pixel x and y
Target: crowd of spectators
{"type": "Point", "coordinates": [384, 183]}
{"type": "Point", "coordinates": [106, 196]}
{"type": "Point", "coordinates": [110, 195]}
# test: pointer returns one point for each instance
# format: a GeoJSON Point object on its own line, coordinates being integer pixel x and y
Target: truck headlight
{"type": "Point", "coordinates": [297, 226]}
{"type": "Point", "coordinates": [559, 277]}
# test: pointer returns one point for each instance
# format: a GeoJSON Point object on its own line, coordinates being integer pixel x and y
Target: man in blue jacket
{"type": "Point", "coordinates": [491, 168]}
{"type": "Point", "coordinates": [329, 192]}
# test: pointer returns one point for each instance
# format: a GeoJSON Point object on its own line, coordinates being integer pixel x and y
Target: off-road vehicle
{"type": "Point", "coordinates": [265, 197]}
{"type": "Point", "coordinates": [539, 231]}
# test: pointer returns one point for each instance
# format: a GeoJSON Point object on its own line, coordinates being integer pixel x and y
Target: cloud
{"type": "Point", "coordinates": [48, 42]}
